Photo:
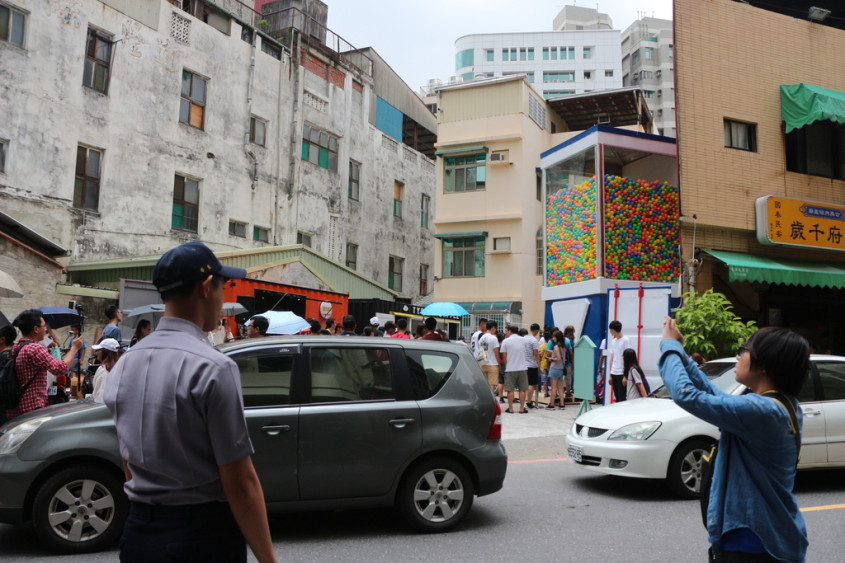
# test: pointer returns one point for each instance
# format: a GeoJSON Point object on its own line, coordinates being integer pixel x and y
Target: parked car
{"type": "Point", "coordinates": [653, 438]}
{"type": "Point", "coordinates": [336, 423]}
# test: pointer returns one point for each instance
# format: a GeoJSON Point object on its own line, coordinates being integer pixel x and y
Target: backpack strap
{"type": "Point", "coordinates": [15, 354]}
{"type": "Point", "coordinates": [786, 402]}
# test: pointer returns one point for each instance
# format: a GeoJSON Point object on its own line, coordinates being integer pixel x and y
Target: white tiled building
{"type": "Point", "coordinates": [581, 55]}
{"type": "Point", "coordinates": [648, 62]}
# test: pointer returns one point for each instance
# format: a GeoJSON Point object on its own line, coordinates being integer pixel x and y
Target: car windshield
{"type": "Point", "coordinates": [720, 374]}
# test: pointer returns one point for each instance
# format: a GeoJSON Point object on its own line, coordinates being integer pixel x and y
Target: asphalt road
{"type": "Point", "coordinates": [548, 509]}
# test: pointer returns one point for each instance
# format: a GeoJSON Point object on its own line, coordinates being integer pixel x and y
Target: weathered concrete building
{"type": "Point", "coordinates": [128, 128]}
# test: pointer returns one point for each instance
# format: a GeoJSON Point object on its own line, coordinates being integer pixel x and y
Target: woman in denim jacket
{"type": "Point", "coordinates": [752, 515]}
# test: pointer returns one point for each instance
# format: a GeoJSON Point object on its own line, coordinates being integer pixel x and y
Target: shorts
{"type": "Point", "coordinates": [556, 374]}
{"type": "Point", "coordinates": [492, 374]}
{"type": "Point", "coordinates": [533, 376]}
{"type": "Point", "coordinates": [516, 379]}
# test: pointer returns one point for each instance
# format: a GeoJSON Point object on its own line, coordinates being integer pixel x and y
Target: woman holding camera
{"type": "Point", "coordinates": [752, 514]}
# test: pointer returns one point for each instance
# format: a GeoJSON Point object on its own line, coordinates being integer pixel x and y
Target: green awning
{"type": "Point", "coordinates": [803, 104]}
{"type": "Point", "coordinates": [745, 267]}
{"type": "Point", "coordinates": [476, 307]}
{"type": "Point", "coordinates": [461, 235]}
{"type": "Point", "coordinates": [479, 148]}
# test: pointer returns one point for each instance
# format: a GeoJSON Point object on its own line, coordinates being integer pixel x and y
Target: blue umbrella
{"type": "Point", "coordinates": [444, 309]}
{"type": "Point", "coordinates": [60, 316]}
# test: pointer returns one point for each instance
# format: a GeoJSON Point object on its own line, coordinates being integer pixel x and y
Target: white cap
{"type": "Point", "coordinates": [109, 344]}
{"type": "Point", "coordinates": [375, 321]}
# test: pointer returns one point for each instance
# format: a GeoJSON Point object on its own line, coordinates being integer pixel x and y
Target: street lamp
{"type": "Point", "coordinates": [817, 14]}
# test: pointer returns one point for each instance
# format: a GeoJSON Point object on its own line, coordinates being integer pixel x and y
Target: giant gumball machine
{"type": "Point", "coordinates": [612, 235]}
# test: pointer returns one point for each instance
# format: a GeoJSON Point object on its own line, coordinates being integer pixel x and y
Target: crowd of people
{"type": "Point", "coordinates": [45, 366]}
{"type": "Point", "coordinates": [520, 364]}
{"type": "Point", "coordinates": [526, 362]}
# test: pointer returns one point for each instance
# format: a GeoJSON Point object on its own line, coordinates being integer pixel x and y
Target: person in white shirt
{"type": "Point", "coordinates": [634, 377]}
{"type": "Point", "coordinates": [108, 352]}
{"type": "Point", "coordinates": [532, 360]}
{"type": "Point", "coordinates": [473, 341]}
{"type": "Point", "coordinates": [618, 345]}
{"type": "Point", "coordinates": [490, 343]}
{"type": "Point", "coordinates": [516, 368]}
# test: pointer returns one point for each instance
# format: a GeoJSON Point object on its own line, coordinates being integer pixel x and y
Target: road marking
{"type": "Point", "coordinates": [538, 460]}
{"type": "Point", "coordinates": [826, 507]}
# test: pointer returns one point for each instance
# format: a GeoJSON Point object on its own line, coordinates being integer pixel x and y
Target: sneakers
{"type": "Point", "coordinates": [531, 405]}
{"type": "Point", "coordinates": [502, 400]}
{"type": "Point", "coordinates": [546, 395]}
{"type": "Point", "coordinates": [550, 408]}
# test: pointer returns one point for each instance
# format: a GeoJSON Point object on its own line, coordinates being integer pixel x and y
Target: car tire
{"type": "Point", "coordinates": [435, 494]}
{"type": "Point", "coordinates": [80, 509]}
{"type": "Point", "coordinates": [684, 473]}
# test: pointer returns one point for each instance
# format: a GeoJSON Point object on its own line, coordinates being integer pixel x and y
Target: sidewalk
{"type": "Point", "coordinates": [538, 423]}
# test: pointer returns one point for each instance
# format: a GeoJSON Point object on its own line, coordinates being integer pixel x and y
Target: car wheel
{"type": "Point", "coordinates": [684, 475]}
{"type": "Point", "coordinates": [80, 509]}
{"type": "Point", "coordinates": [435, 495]}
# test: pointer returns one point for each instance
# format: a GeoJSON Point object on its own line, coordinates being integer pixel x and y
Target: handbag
{"type": "Point", "coordinates": [481, 352]}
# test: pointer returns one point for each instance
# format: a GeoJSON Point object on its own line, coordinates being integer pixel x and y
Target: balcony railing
{"type": "Point", "coordinates": [279, 24]}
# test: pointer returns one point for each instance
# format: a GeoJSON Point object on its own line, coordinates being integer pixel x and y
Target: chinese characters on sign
{"type": "Point", "coordinates": [795, 222]}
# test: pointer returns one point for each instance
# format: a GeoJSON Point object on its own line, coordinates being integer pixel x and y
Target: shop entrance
{"type": "Point", "coordinates": [815, 313]}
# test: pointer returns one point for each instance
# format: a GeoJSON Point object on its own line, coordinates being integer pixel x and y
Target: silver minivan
{"type": "Point", "coordinates": [336, 423]}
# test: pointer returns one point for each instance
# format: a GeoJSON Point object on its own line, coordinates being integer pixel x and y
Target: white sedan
{"type": "Point", "coordinates": [653, 438]}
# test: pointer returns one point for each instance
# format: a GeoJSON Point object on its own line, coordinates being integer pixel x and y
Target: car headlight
{"type": "Point", "coordinates": [636, 431]}
{"type": "Point", "coordinates": [13, 438]}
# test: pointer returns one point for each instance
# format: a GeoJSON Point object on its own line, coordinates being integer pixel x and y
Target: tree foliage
{"type": "Point", "coordinates": [709, 325]}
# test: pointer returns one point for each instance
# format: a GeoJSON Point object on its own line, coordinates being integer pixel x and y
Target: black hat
{"type": "Point", "coordinates": [189, 263]}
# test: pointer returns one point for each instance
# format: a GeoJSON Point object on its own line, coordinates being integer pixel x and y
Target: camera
{"type": "Point", "coordinates": [70, 333]}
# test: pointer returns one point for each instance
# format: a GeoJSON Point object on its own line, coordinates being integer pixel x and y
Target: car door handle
{"type": "Point", "coordinates": [811, 412]}
{"type": "Point", "coordinates": [275, 429]}
{"type": "Point", "coordinates": [401, 422]}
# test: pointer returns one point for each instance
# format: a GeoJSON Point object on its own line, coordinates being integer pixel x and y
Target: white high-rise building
{"type": "Point", "coordinates": [647, 62]}
{"type": "Point", "coordinates": [582, 54]}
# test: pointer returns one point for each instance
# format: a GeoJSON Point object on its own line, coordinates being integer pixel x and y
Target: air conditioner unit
{"type": "Point", "coordinates": [659, 93]}
{"type": "Point", "coordinates": [660, 112]}
{"type": "Point", "coordinates": [498, 157]}
{"type": "Point", "coordinates": [658, 73]}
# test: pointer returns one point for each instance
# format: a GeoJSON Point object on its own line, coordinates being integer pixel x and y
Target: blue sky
{"type": "Point", "coordinates": [417, 38]}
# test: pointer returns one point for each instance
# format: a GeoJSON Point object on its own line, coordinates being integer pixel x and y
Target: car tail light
{"type": "Point", "coordinates": [496, 427]}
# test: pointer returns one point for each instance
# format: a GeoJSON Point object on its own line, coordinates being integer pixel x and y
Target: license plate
{"type": "Point", "coordinates": [52, 391]}
{"type": "Point", "coordinates": [575, 453]}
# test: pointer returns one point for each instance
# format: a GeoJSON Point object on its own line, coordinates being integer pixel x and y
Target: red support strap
{"type": "Point", "coordinates": [640, 294]}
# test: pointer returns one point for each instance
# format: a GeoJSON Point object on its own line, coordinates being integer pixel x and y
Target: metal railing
{"type": "Point", "coordinates": [313, 34]}
{"type": "Point", "coordinates": [279, 24]}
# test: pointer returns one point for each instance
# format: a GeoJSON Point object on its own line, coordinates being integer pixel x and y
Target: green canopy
{"type": "Point", "coordinates": [745, 267]}
{"type": "Point", "coordinates": [803, 104]}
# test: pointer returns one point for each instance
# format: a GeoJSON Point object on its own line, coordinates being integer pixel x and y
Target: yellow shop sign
{"type": "Point", "coordinates": [797, 222]}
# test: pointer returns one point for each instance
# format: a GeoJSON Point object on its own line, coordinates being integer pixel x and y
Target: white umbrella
{"type": "Point", "coordinates": [284, 322]}
{"type": "Point", "coordinates": [8, 286]}
{"type": "Point", "coordinates": [232, 309]}
{"type": "Point", "coordinates": [151, 313]}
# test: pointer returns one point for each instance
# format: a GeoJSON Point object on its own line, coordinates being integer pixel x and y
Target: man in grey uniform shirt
{"type": "Point", "coordinates": [177, 405]}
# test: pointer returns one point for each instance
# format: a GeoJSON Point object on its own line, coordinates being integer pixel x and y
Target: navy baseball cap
{"type": "Point", "coordinates": [189, 263]}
